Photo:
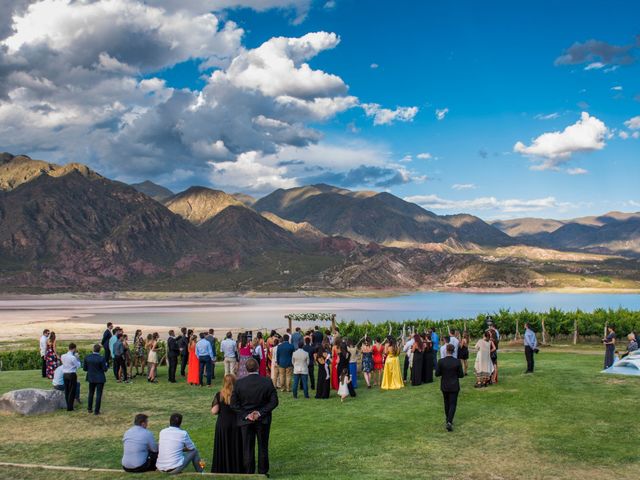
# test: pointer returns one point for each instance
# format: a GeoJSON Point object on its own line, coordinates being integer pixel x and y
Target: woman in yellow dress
{"type": "Point", "coordinates": [392, 375]}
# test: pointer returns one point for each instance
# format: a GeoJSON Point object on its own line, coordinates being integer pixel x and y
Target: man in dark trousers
{"type": "Point", "coordinates": [95, 365]}
{"type": "Point", "coordinates": [183, 343]}
{"type": "Point", "coordinates": [106, 336]}
{"type": "Point", "coordinates": [450, 370]}
{"type": "Point", "coordinates": [212, 340]}
{"type": "Point", "coordinates": [253, 399]}
{"type": "Point", "coordinates": [310, 350]}
{"type": "Point", "coordinates": [530, 346]}
{"type": "Point", "coordinates": [173, 351]}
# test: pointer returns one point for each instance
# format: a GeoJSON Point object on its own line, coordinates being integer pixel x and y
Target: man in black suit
{"type": "Point", "coordinates": [173, 351]}
{"type": "Point", "coordinates": [106, 336]}
{"type": "Point", "coordinates": [450, 370]}
{"type": "Point", "coordinates": [183, 343]}
{"type": "Point", "coordinates": [317, 336]}
{"type": "Point", "coordinates": [253, 399]}
{"type": "Point", "coordinates": [95, 365]}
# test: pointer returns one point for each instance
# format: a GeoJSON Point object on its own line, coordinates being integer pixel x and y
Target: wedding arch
{"type": "Point", "coordinates": [311, 317]}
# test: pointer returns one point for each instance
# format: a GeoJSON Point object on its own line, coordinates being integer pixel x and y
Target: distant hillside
{"type": "Point", "coordinates": [199, 204]}
{"type": "Point", "coordinates": [303, 230]}
{"type": "Point", "coordinates": [153, 190]}
{"type": "Point", "coordinates": [378, 217]}
{"type": "Point", "coordinates": [527, 226]}
{"type": "Point", "coordinates": [248, 200]}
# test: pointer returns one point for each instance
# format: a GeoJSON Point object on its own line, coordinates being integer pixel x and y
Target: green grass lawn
{"type": "Point", "coordinates": [566, 421]}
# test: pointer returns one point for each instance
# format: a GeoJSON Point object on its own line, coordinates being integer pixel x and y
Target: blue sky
{"type": "Point", "coordinates": [504, 71]}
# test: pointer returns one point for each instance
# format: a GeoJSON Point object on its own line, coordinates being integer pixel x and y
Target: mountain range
{"type": "Point", "coordinates": [70, 228]}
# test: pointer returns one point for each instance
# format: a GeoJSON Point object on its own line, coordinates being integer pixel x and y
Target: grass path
{"type": "Point", "coordinates": [566, 421]}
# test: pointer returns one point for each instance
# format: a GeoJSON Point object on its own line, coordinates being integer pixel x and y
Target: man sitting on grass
{"type": "Point", "coordinates": [140, 448]}
{"type": "Point", "coordinates": [176, 450]}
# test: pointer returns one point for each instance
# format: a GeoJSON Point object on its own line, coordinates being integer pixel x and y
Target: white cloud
{"type": "Point", "coordinates": [623, 135]}
{"type": "Point", "coordinates": [330, 4]}
{"type": "Point", "coordinates": [549, 116]}
{"type": "Point", "coordinates": [595, 66]}
{"type": "Point", "coordinates": [635, 135]}
{"type": "Point", "coordinates": [617, 88]}
{"type": "Point", "coordinates": [577, 171]}
{"type": "Point", "coordinates": [406, 159]}
{"type": "Point", "coordinates": [434, 202]}
{"type": "Point", "coordinates": [463, 186]}
{"type": "Point", "coordinates": [441, 113]}
{"type": "Point", "coordinates": [385, 116]}
{"type": "Point", "coordinates": [633, 123]}
{"type": "Point", "coordinates": [374, 66]}
{"type": "Point", "coordinates": [424, 156]}
{"type": "Point", "coordinates": [586, 135]}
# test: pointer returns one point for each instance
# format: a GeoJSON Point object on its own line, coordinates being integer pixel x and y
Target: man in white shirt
{"type": "Point", "coordinates": [58, 382]}
{"type": "Point", "coordinates": [140, 450]}
{"type": "Point", "coordinates": [229, 348]}
{"type": "Point", "coordinates": [453, 340]}
{"type": "Point", "coordinates": [43, 351]}
{"type": "Point", "coordinates": [443, 348]}
{"type": "Point", "coordinates": [300, 361]}
{"type": "Point", "coordinates": [407, 359]}
{"type": "Point", "coordinates": [70, 365]}
{"type": "Point", "coordinates": [176, 450]}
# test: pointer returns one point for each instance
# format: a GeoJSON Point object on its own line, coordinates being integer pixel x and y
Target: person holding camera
{"type": "Point", "coordinates": [530, 346]}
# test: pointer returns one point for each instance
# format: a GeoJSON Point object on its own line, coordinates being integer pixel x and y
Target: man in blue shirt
{"type": "Point", "coordinates": [435, 339]}
{"type": "Point", "coordinates": [229, 350]}
{"type": "Point", "coordinates": [204, 352]}
{"type": "Point", "coordinates": [297, 337]}
{"type": "Point", "coordinates": [530, 346]}
{"type": "Point", "coordinates": [284, 359]}
{"type": "Point", "coordinates": [140, 450]}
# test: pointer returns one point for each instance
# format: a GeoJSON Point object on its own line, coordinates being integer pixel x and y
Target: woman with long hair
{"type": "Point", "coordinates": [260, 351]}
{"type": "Point", "coordinates": [427, 358]}
{"type": "Point", "coordinates": [483, 366]}
{"type": "Point", "coordinates": [392, 375]}
{"type": "Point", "coordinates": [418, 360]}
{"type": "Point", "coordinates": [609, 346]}
{"type": "Point", "coordinates": [274, 369]}
{"type": "Point", "coordinates": [227, 442]}
{"type": "Point", "coordinates": [245, 353]}
{"type": "Point", "coordinates": [378, 361]}
{"type": "Point", "coordinates": [335, 359]}
{"type": "Point", "coordinates": [323, 384]}
{"type": "Point", "coordinates": [463, 352]}
{"type": "Point", "coordinates": [494, 356]}
{"type": "Point", "coordinates": [270, 355]}
{"type": "Point", "coordinates": [52, 360]}
{"type": "Point", "coordinates": [367, 360]}
{"type": "Point", "coordinates": [139, 358]}
{"type": "Point", "coordinates": [152, 358]}
{"type": "Point", "coordinates": [193, 365]}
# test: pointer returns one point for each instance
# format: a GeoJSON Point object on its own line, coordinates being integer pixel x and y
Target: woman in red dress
{"type": "Point", "coordinates": [335, 358]}
{"type": "Point", "coordinates": [193, 367]}
{"type": "Point", "coordinates": [261, 351]}
{"type": "Point", "coordinates": [378, 361]}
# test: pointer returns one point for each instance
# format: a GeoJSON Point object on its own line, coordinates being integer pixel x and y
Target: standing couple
{"type": "Point", "coordinates": [244, 416]}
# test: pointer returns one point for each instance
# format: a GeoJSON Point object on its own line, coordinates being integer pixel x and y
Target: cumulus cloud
{"type": "Point", "coordinates": [597, 54]}
{"type": "Point", "coordinates": [633, 123]}
{"type": "Point", "coordinates": [554, 148]}
{"type": "Point", "coordinates": [441, 113]}
{"type": "Point", "coordinates": [617, 88]}
{"type": "Point", "coordinates": [434, 202]}
{"type": "Point", "coordinates": [385, 116]}
{"type": "Point", "coordinates": [463, 186]}
{"type": "Point", "coordinates": [577, 171]}
{"type": "Point", "coordinates": [424, 156]}
{"type": "Point", "coordinates": [79, 81]}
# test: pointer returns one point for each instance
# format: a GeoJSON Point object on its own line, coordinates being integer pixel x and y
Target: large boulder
{"type": "Point", "coordinates": [32, 401]}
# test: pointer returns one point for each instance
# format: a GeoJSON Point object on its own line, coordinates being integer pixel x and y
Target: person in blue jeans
{"type": "Point", "coordinates": [204, 352]}
{"type": "Point", "coordinates": [435, 339]}
{"type": "Point", "coordinates": [300, 361]}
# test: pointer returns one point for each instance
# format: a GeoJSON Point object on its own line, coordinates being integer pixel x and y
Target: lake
{"type": "Point", "coordinates": [268, 312]}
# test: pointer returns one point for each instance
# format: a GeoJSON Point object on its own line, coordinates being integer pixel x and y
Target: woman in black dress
{"type": "Point", "coordinates": [463, 352]}
{"type": "Point", "coordinates": [417, 361]}
{"type": "Point", "coordinates": [610, 346]}
{"type": "Point", "coordinates": [427, 359]}
{"type": "Point", "coordinates": [323, 385]}
{"type": "Point", "coordinates": [227, 443]}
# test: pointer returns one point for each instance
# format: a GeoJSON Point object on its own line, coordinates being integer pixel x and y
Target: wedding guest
{"type": "Point", "coordinates": [463, 352]}
{"type": "Point", "coordinates": [260, 355]}
{"type": "Point", "coordinates": [274, 362]}
{"type": "Point", "coordinates": [300, 360]}
{"type": "Point", "coordinates": [244, 353]}
{"type": "Point", "coordinates": [335, 360]}
{"type": "Point", "coordinates": [119, 365]}
{"type": "Point", "coordinates": [140, 450]}
{"type": "Point", "coordinates": [204, 354]}
{"type": "Point", "coordinates": [610, 346]}
{"type": "Point", "coordinates": [297, 337]}
{"type": "Point", "coordinates": [270, 355]}
{"type": "Point", "coordinates": [344, 364]}
{"type": "Point", "coordinates": [106, 337]}
{"type": "Point", "coordinates": [212, 340]}
{"type": "Point", "coordinates": [443, 348]}
{"type": "Point", "coordinates": [175, 448]}
{"type": "Point", "coordinates": [44, 338]}
{"type": "Point", "coordinates": [51, 355]}
{"type": "Point", "coordinates": [450, 370]}
{"type": "Point", "coordinates": [392, 376]}
{"type": "Point", "coordinates": [317, 337]}
{"type": "Point", "coordinates": [229, 350]}
{"type": "Point", "coordinates": [367, 361]}
{"type": "Point", "coordinates": [173, 352]}
{"type": "Point", "coordinates": [58, 382]}
{"type": "Point", "coordinates": [632, 346]}
{"type": "Point", "coordinates": [310, 349]}
{"type": "Point", "coordinates": [70, 365]}
{"type": "Point", "coordinates": [95, 365]}
{"type": "Point", "coordinates": [193, 368]}
{"type": "Point", "coordinates": [284, 360]}
{"type": "Point", "coordinates": [227, 442]}
{"type": "Point", "coordinates": [530, 346]}
{"type": "Point", "coordinates": [435, 341]}
{"type": "Point", "coordinates": [408, 353]}
{"type": "Point", "coordinates": [323, 386]}
{"type": "Point", "coordinates": [152, 358]}
{"type": "Point", "coordinates": [427, 359]}
{"type": "Point", "coordinates": [112, 341]}
{"type": "Point", "coordinates": [139, 354]}
{"type": "Point", "coordinates": [378, 361]}
{"type": "Point", "coordinates": [345, 381]}
{"type": "Point", "coordinates": [417, 352]}
{"type": "Point", "coordinates": [127, 358]}
{"type": "Point", "coordinates": [353, 363]}
{"type": "Point", "coordinates": [483, 366]}
{"type": "Point", "coordinates": [453, 340]}
{"type": "Point", "coordinates": [493, 333]}
{"type": "Point", "coordinates": [253, 400]}
{"type": "Point", "coordinates": [183, 344]}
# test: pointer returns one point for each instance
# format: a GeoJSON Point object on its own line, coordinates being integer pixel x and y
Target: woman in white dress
{"type": "Point", "coordinates": [152, 357]}
{"type": "Point", "coordinates": [484, 365]}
